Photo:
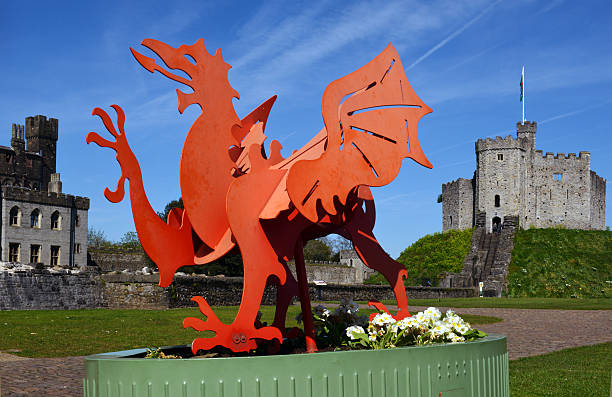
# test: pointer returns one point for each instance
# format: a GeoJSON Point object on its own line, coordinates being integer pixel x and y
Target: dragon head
{"type": "Point", "coordinates": [207, 73]}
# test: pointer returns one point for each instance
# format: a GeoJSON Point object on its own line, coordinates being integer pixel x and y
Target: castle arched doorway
{"type": "Point", "coordinates": [496, 224]}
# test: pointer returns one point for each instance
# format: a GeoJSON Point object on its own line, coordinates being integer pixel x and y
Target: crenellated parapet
{"type": "Point", "coordinates": [498, 143]}
{"type": "Point", "coordinates": [581, 158]}
{"type": "Point", "coordinates": [50, 198]}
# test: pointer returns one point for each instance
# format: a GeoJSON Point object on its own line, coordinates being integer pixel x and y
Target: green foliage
{"type": "Point", "coordinates": [582, 371]}
{"type": "Point", "coordinates": [317, 250]}
{"type": "Point", "coordinates": [129, 242]}
{"type": "Point", "coordinates": [431, 255]}
{"type": "Point", "coordinates": [97, 239]}
{"type": "Point", "coordinates": [440, 199]}
{"type": "Point", "coordinates": [173, 204]}
{"type": "Point", "coordinates": [561, 263]}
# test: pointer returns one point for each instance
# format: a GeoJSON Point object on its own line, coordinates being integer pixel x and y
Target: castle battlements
{"type": "Point", "coordinates": [499, 143]}
{"type": "Point", "coordinates": [582, 156]}
{"type": "Point", "coordinates": [50, 198]}
{"type": "Point", "coordinates": [457, 182]}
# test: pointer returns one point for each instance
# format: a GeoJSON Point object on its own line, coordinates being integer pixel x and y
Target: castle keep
{"type": "Point", "coordinates": [515, 181]}
{"type": "Point", "coordinates": [39, 223]}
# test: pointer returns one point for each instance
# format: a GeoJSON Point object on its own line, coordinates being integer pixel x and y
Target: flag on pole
{"type": "Point", "coordinates": [523, 92]}
{"type": "Point", "coordinates": [522, 83]}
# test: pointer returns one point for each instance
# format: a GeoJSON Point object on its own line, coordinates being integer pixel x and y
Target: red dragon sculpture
{"type": "Point", "coordinates": [235, 194]}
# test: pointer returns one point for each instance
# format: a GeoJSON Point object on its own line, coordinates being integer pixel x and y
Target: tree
{"type": "Point", "coordinates": [440, 199]}
{"type": "Point", "coordinates": [173, 204]}
{"type": "Point", "coordinates": [96, 239]}
{"type": "Point", "coordinates": [129, 241]}
{"type": "Point", "coordinates": [317, 250]}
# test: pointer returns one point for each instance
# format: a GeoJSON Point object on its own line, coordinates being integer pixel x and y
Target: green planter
{"type": "Point", "coordinates": [451, 370]}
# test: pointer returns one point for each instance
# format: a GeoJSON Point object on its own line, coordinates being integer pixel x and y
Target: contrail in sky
{"type": "Point", "coordinates": [568, 114]}
{"type": "Point", "coordinates": [452, 35]}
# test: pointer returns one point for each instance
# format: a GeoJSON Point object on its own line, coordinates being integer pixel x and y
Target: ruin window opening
{"type": "Point", "coordinates": [451, 220]}
{"type": "Point", "coordinates": [77, 248]}
{"type": "Point", "coordinates": [77, 221]}
{"type": "Point", "coordinates": [56, 221]}
{"type": "Point", "coordinates": [55, 255]}
{"type": "Point", "coordinates": [497, 200]}
{"type": "Point", "coordinates": [500, 157]}
{"type": "Point", "coordinates": [15, 216]}
{"type": "Point", "coordinates": [35, 218]}
{"type": "Point", "coordinates": [14, 249]}
{"type": "Point", "coordinates": [34, 253]}
{"type": "Point", "coordinates": [558, 176]}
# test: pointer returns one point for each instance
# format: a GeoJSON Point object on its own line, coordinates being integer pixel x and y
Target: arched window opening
{"type": "Point", "coordinates": [451, 220]}
{"type": "Point", "coordinates": [497, 200]}
{"type": "Point", "coordinates": [35, 218]}
{"type": "Point", "coordinates": [15, 216]}
{"type": "Point", "coordinates": [56, 221]}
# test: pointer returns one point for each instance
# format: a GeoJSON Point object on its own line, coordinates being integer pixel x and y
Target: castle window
{"type": "Point", "coordinates": [56, 221]}
{"type": "Point", "coordinates": [14, 249]}
{"type": "Point", "coordinates": [15, 216]}
{"type": "Point", "coordinates": [35, 218]}
{"type": "Point", "coordinates": [77, 221]}
{"type": "Point", "coordinates": [77, 248]}
{"type": "Point", "coordinates": [557, 176]}
{"type": "Point", "coordinates": [451, 220]}
{"type": "Point", "coordinates": [497, 200]}
{"type": "Point", "coordinates": [34, 253]}
{"type": "Point", "coordinates": [55, 255]}
{"type": "Point", "coordinates": [500, 157]}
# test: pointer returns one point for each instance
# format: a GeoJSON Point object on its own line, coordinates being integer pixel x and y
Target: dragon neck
{"type": "Point", "coordinates": [205, 171]}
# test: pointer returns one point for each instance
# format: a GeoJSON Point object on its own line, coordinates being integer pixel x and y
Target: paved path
{"type": "Point", "coordinates": [530, 332]}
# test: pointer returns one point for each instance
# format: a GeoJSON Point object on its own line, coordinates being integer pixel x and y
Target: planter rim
{"type": "Point", "coordinates": [123, 355]}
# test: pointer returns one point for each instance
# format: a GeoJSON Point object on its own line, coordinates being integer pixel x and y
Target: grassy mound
{"type": "Point", "coordinates": [431, 255]}
{"type": "Point", "coordinates": [561, 263]}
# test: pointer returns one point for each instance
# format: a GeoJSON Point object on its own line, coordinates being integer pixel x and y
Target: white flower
{"type": "Point", "coordinates": [354, 329]}
{"type": "Point", "coordinates": [322, 312]}
{"type": "Point", "coordinates": [382, 319]}
{"type": "Point", "coordinates": [433, 313]}
{"type": "Point", "coordinates": [455, 338]}
{"type": "Point", "coordinates": [440, 329]}
{"type": "Point", "coordinates": [372, 337]}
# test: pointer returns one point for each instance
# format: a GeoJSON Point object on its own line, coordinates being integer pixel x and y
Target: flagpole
{"type": "Point", "coordinates": [523, 79]}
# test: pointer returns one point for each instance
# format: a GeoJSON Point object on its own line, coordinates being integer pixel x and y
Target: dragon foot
{"type": "Point", "coordinates": [235, 336]}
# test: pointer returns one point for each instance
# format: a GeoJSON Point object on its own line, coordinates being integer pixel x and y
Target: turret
{"type": "Point", "coordinates": [528, 131]}
{"type": "Point", "coordinates": [41, 136]}
{"type": "Point", "coordinates": [18, 145]}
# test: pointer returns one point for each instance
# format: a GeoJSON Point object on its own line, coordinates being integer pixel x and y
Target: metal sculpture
{"type": "Point", "coordinates": [236, 194]}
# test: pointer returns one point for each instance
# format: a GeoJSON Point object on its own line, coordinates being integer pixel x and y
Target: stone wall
{"type": "Point", "coordinates": [457, 204]}
{"type": "Point", "coordinates": [598, 202]}
{"type": "Point", "coordinates": [562, 191]}
{"type": "Point", "coordinates": [138, 291]}
{"type": "Point", "coordinates": [41, 289]}
{"type": "Point", "coordinates": [117, 260]}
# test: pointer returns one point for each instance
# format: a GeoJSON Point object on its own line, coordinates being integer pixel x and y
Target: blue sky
{"type": "Point", "coordinates": [463, 58]}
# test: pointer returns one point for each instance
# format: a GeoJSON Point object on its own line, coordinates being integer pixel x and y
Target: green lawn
{"type": "Point", "coordinates": [515, 303]}
{"type": "Point", "coordinates": [58, 333]}
{"type": "Point", "coordinates": [582, 371]}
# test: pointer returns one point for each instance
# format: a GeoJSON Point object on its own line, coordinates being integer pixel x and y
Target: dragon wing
{"type": "Point", "coordinates": [368, 136]}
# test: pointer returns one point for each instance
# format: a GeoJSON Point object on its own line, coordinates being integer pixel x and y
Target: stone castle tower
{"type": "Point", "coordinates": [514, 180]}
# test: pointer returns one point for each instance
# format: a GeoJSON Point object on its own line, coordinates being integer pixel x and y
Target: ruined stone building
{"type": "Point", "coordinates": [514, 180]}
{"type": "Point", "coordinates": [39, 224]}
